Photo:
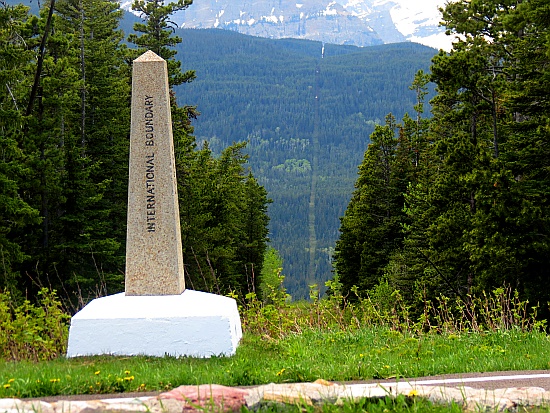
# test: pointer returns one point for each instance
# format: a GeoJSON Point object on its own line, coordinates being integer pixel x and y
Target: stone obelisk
{"type": "Point", "coordinates": [154, 262]}
{"type": "Point", "coordinates": [155, 316]}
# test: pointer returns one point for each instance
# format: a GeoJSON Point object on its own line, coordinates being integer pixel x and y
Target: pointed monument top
{"type": "Point", "coordinates": [149, 56]}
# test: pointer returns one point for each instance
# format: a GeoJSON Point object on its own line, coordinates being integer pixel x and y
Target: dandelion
{"type": "Point", "coordinates": [413, 393]}
{"type": "Point", "coordinates": [11, 380]}
{"type": "Point", "coordinates": [386, 366]}
{"type": "Point", "coordinates": [7, 386]}
{"type": "Point", "coordinates": [55, 380]}
{"type": "Point", "coordinates": [361, 355]}
{"type": "Point", "coordinates": [127, 372]}
{"type": "Point", "coordinates": [129, 378]}
{"type": "Point", "coordinates": [97, 372]}
{"type": "Point", "coordinates": [281, 372]}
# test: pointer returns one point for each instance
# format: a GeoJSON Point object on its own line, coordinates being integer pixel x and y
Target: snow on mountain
{"type": "Point", "coordinates": [419, 21]}
{"type": "Point", "coordinates": [356, 22]}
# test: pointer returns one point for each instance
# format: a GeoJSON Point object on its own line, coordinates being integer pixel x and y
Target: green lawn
{"type": "Point", "coordinates": [337, 356]}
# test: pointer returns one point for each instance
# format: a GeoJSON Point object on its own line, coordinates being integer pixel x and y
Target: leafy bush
{"type": "Point", "coordinates": [32, 332]}
{"type": "Point", "coordinates": [384, 306]}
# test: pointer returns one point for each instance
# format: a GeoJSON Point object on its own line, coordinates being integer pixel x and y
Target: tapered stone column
{"type": "Point", "coordinates": [154, 262]}
{"type": "Point", "coordinates": [155, 316]}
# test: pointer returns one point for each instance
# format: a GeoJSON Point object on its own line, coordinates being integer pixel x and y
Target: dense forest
{"type": "Point", "coordinates": [65, 76]}
{"type": "Point", "coordinates": [306, 111]}
{"type": "Point", "coordinates": [459, 203]}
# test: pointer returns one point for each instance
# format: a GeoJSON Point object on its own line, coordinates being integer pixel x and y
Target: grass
{"type": "Point", "coordinates": [399, 404]}
{"type": "Point", "coordinates": [332, 355]}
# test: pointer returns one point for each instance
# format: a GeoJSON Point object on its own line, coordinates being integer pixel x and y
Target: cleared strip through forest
{"type": "Point", "coordinates": [312, 244]}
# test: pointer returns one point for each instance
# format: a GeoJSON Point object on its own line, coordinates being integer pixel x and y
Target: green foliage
{"type": "Point", "coordinates": [399, 404]}
{"type": "Point", "coordinates": [501, 310]}
{"type": "Point", "coordinates": [32, 332]}
{"type": "Point", "coordinates": [475, 181]}
{"type": "Point", "coordinates": [272, 289]}
{"type": "Point", "coordinates": [371, 227]}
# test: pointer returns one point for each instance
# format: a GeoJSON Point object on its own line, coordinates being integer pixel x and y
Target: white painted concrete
{"type": "Point", "coordinates": [195, 324]}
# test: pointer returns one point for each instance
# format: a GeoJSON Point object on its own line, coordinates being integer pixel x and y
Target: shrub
{"type": "Point", "coordinates": [32, 332]}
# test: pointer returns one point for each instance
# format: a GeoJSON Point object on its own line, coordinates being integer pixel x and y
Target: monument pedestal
{"type": "Point", "coordinates": [195, 324]}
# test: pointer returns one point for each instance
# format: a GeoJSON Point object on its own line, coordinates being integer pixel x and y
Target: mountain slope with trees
{"type": "Point", "coordinates": [307, 117]}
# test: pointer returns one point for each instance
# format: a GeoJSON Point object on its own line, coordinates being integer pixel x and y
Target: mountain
{"type": "Point", "coordinates": [307, 120]}
{"type": "Point", "coordinates": [352, 22]}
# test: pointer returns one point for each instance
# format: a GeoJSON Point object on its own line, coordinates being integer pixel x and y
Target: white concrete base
{"type": "Point", "coordinates": [195, 324]}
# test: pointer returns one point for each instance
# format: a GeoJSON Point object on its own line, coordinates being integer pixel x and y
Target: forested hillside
{"type": "Point", "coordinates": [306, 117]}
{"type": "Point", "coordinates": [459, 204]}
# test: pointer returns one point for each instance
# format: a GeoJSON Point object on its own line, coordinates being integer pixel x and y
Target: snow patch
{"type": "Point", "coordinates": [271, 19]}
{"type": "Point", "coordinates": [299, 5]}
{"type": "Point", "coordinates": [250, 22]}
{"type": "Point", "coordinates": [328, 11]}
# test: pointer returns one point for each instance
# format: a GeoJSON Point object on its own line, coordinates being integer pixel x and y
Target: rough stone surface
{"type": "Point", "coordinates": [154, 261]}
{"type": "Point", "coordinates": [220, 398]}
{"type": "Point", "coordinates": [208, 396]}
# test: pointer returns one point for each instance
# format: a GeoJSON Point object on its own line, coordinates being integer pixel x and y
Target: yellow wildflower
{"type": "Point", "coordinates": [7, 386]}
{"type": "Point", "coordinates": [97, 372]}
{"type": "Point", "coordinates": [413, 393]}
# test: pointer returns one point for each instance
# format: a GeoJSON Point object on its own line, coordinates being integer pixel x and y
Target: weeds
{"type": "Point", "coordinates": [501, 310]}
{"type": "Point", "coordinates": [32, 332]}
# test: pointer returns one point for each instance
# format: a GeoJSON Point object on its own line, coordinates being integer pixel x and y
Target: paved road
{"type": "Point", "coordinates": [489, 381]}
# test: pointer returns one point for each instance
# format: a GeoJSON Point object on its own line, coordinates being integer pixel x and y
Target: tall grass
{"type": "Point", "coordinates": [501, 310]}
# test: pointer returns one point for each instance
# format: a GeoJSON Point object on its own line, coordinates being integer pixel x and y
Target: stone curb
{"type": "Point", "coordinates": [220, 398]}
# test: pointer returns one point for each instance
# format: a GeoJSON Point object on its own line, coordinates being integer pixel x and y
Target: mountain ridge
{"type": "Point", "coordinates": [353, 22]}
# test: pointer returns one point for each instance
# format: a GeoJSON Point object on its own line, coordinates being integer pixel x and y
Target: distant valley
{"type": "Point", "coordinates": [307, 113]}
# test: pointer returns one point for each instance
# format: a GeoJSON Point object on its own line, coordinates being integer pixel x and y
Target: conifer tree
{"type": "Point", "coordinates": [15, 213]}
{"type": "Point", "coordinates": [371, 227]}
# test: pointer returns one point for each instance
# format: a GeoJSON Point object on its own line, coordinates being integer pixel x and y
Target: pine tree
{"type": "Point", "coordinates": [15, 214]}
{"type": "Point", "coordinates": [478, 214]}
{"type": "Point", "coordinates": [371, 227]}
{"type": "Point", "coordinates": [94, 222]}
